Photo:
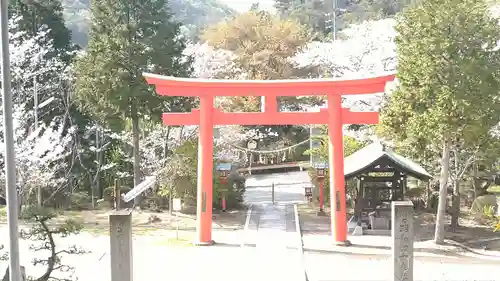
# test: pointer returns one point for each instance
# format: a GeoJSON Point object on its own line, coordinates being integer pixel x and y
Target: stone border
{"type": "Point", "coordinates": [300, 246]}
{"type": "Point", "coordinates": [245, 228]}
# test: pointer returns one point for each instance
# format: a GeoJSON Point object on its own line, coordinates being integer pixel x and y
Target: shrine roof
{"type": "Point", "coordinates": [362, 160]}
{"type": "Point", "coordinates": [175, 86]}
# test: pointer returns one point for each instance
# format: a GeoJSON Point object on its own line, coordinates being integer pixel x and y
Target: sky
{"type": "Point", "coordinates": [244, 5]}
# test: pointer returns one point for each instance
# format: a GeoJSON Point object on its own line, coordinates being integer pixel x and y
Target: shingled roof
{"type": "Point", "coordinates": [362, 160]}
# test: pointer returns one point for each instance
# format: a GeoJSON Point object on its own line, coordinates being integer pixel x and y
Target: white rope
{"type": "Point", "coordinates": [269, 151]}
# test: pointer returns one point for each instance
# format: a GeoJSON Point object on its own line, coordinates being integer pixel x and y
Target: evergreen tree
{"type": "Point", "coordinates": [48, 14]}
{"type": "Point", "coordinates": [128, 38]}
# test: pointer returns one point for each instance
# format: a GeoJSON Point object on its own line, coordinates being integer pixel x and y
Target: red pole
{"type": "Point", "coordinates": [223, 181]}
{"type": "Point", "coordinates": [321, 195]}
{"type": "Point", "coordinates": [336, 166]}
{"type": "Point", "coordinates": [205, 176]}
{"type": "Point", "coordinates": [223, 202]}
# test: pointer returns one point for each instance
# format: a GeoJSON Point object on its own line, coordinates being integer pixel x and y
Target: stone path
{"type": "Point", "coordinates": [275, 243]}
{"type": "Point", "coordinates": [271, 239]}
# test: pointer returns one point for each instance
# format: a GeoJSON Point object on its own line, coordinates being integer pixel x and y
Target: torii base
{"type": "Point", "coordinates": [200, 244]}
{"type": "Point", "coordinates": [345, 243]}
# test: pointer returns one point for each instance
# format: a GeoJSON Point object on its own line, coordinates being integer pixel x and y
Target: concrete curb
{"type": "Point", "coordinates": [472, 251]}
{"type": "Point", "coordinates": [247, 223]}
{"type": "Point", "coordinates": [301, 242]}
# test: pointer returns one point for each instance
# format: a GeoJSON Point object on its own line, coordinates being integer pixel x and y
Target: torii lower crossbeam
{"type": "Point", "coordinates": [207, 116]}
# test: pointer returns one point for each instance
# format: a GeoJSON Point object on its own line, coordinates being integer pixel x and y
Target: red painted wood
{"type": "Point", "coordinates": [208, 116]}
{"type": "Point", "coordinates": [269, 118]}
{"type": "Point", "coordinates": [172, 86]}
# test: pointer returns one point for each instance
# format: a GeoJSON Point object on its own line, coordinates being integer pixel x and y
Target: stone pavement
{"type": "Point", "coordinates": [273, 243]}
{"type": "Point", "coordinates": [271, 231]}
{"type": "Point", "coordinates": [370, 259]}
{"type": "Point", "coordinates": [289, 188]}
{"type": "Point", "coordinates": [345, 267]}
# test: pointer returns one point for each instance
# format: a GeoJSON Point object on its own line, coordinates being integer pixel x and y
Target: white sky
{"type": "Point", "coordinates": [244, 5]}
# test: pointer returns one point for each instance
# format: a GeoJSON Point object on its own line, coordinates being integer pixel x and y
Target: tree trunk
{"type": "Point", "coordinates": [170, 200]}
{"type": "Point", "coordinates": [429, 194]}
{"type": "Point", "coordinates": [475, 181]}
{"type": "Point", "coordinates": [455, 206]}
{"type": "Point", "coordinates": [136, 153]}
{"type": "Point", "coordinates": [443, 182]}
{"type": "Point", "coordinates": [455, 203]}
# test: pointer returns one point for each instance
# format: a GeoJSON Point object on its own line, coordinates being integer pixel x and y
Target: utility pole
{"type": "Point", "coordinates": [35, 109]}
{"type": "Point", "coordinates": [10, 164]}
{"type": "Point", "coordinates": [334, 20]}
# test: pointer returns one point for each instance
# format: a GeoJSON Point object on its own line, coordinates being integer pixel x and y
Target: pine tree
{"type": "Point", "coordinates": [126, 39]}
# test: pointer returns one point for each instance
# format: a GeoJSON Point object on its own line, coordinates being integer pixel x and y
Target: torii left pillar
{"type": "Point", "coordinates": [205, 172]}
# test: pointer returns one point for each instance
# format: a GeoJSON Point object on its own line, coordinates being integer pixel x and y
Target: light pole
{"type": "Point", "coordinates": [10, 165]}
{"type": "Point", "coordinates": [35, 108]}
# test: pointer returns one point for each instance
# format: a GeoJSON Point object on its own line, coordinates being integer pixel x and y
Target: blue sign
{"type": "Point", "coordinates": [223, 167]}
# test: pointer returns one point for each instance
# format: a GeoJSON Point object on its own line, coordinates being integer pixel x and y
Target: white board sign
{"type": "Point", "coordinates": [147, 183]}
{"type": "Point", "coordinates": [177, 204]}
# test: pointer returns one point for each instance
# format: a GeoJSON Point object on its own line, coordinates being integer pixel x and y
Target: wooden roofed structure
{"type": "Point", "coordinates": [381, 178]}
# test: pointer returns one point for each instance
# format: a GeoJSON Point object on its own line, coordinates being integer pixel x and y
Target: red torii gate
{"type": "Point", "coordinates": [208, 116]}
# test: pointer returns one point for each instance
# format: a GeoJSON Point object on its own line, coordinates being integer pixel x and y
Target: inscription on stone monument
{"type": "Point", "coordinates": [402, 235]}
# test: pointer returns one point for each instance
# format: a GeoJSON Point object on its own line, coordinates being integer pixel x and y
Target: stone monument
{"type": "Point", "coordinates": [402, 237]}
{"type": "Point", "coordinates": [120, 224]}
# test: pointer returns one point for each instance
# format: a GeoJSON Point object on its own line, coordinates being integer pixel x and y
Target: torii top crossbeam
{"type": "Point", "coordinates": [173, 86]}
{"type": "Point", "coordinates": [194, 87]}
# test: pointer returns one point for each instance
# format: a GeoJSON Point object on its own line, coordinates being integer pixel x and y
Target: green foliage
{"type": "Point", "coordinates": [489, 211]}
{"type": "Point", "coordinates": [494, 189]}
{"type": "Point", "coordinates": [35, 14]}
{"type": "Point", "coordinates": [127, 39]}
{"type": "Point", "coordinates": [194, 15]}
{"type": "Point", "coordinates": [80, 201]}
{"type": "Point", "coordinates": [318, 14]}
{"type": "Point", "coordinates": [447, 74]}
{"type": "Point", "coordinates": [182, 182]}
{"type": "Point", "coordinates": [351, 145]}
{"type": "Point", "coordinates": [448, 82]}
{"type": "Point", "coordinates": [257, 37]}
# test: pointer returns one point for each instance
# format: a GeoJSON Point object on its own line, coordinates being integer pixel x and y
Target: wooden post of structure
{"type": "Point", "coordinates": [402, 241]}
{"type": "Point", "coordinates": [120, 224]}
{"type": "Point", "coordinates": [117, 195]}
{"type": "Point", "coordinates": [272, 193]}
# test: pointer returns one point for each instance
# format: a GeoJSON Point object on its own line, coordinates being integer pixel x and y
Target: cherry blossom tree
{"type": "Point", "coordinates": [363, 50]}
{"type": "Point", "coordinates": [212, 63]}
{"type": "Point", "coordinates": [40, 150]}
